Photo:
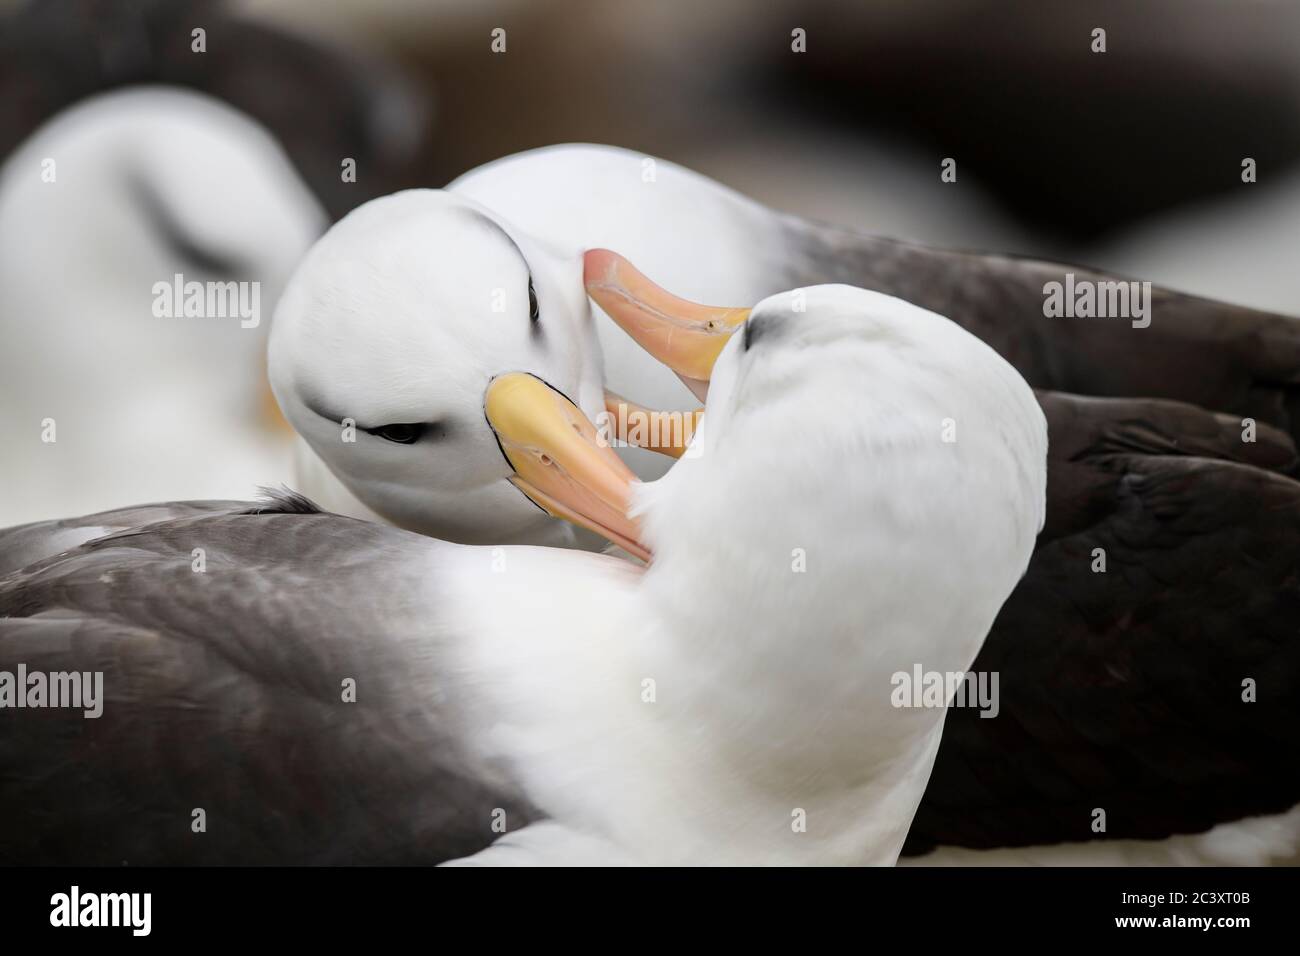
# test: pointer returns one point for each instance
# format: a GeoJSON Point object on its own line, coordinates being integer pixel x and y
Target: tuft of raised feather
{"type": "Point", "coordinates": [282, 500]}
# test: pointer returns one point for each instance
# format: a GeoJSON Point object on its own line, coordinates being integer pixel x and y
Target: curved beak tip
{"type": "Point", "coordinates": [683, 335]}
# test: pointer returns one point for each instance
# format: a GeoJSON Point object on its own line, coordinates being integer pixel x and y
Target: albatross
{"type": "Point", "coordinates": [366, 694]}
{"type": "Point", "coordinates": [1132, 657]}
{"type": "Point", "coordinates": [109, 393]}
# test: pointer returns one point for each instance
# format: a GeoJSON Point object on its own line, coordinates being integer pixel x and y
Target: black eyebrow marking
{"type": "Point", "coordinates": [436, 429]}
{"type": "Point", "coordinates": [173, 234]}
{"type": "Point", "coordinates": [313, 403]}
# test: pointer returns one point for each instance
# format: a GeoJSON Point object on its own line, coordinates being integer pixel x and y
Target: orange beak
{"type": "Point", "coordinates": [665, 432]}
{"type": "Point", "coordinates": [683, 335]}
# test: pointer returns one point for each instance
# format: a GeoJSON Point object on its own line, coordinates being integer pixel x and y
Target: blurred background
{"type": "Point", "coordinates": [1129, 160]}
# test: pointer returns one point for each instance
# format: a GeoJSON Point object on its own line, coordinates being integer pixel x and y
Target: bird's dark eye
{"type": "Point", "coordinates": [534, 312]}
{"type": "Point", "coordinates": [404, 433]}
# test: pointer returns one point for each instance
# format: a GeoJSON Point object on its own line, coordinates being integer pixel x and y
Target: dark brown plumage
{"type": "Point", "coordinates": [1123, 690]}
{"type": "Point", "coordinates": [1219, 356]}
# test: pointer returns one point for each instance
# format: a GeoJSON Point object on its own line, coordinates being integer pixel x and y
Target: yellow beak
{"type": "Point", "coordinates": [559, 459]}
{"type": "Point", "coordinates": [683, 335]}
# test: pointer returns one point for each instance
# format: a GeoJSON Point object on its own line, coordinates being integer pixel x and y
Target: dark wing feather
{"type": "Point", "coordinates": [1123, 690]}
{"type": "Point", "coordinates": [26, 544]}
{"type": "Point", "coordinates": [1196, 350]}
{"type": "Point", "coordinates": [224, 692]}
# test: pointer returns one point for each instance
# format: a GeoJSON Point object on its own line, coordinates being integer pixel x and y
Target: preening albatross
{"type": "Point", "coordinates": [1134, 657]}
{"type": "Point", "coordinates": [364, 694]}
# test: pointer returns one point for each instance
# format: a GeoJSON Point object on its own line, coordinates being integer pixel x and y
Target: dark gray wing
{"type": "Point", "coordinates": [1123, 690]}
{"type": "Point", "coordinates": [1195, 350]}
{"type": "Point", "coordinates": [224, 692]}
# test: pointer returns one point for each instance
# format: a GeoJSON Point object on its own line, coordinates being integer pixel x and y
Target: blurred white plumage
{"type": "Point", "coordinates": [146, 183]}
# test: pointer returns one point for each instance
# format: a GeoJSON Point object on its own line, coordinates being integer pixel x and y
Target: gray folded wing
{"type": "Point", "coordinates": [224, 692]}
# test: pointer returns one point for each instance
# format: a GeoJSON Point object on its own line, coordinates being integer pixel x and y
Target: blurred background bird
{"type": "Point", "coordinates": [133, 157]}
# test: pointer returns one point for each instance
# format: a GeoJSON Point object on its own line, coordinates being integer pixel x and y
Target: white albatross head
{"type": "Point", "coordinates": [394, 325]}
{"type": "Point", "coordinates": [934, 446]}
